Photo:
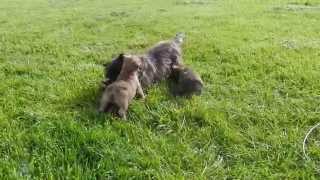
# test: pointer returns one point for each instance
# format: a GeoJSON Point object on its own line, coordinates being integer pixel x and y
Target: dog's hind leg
{"type": "Point", "coordinates": [122, 113]}
{"type": "Point", "coordinates": [123, 107]}
{"type": "Point", "coordinates": [109, 108]}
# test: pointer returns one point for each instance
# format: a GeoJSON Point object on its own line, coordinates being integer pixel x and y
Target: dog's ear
{"type": "Point", "coordinates": [143, 59]}
{"type": "Point", "coordinates": [143, 62]}
{"type": "Point", "coordinates": [121, 56]}
{"type": "Point", "coordinates": [106, 82]}
{"type": "Point", "coordinates": [106, 64]}
{"type": "Point", "coordinates": [175, 66]}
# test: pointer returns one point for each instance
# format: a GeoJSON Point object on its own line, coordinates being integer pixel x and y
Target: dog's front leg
{"type": "Point", "coordinates": [139, 90]}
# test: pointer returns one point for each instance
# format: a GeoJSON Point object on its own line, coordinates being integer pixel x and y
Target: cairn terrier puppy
{"type": "Point", "coordinates": [186, 82]}
{"type": "Point", "coordinates": [118, 95]}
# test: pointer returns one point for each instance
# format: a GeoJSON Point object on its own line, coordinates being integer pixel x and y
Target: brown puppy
{"type": "Point", "coordinates": [185, 81]}
{"type": "Point", "coordinates": [118, 95]}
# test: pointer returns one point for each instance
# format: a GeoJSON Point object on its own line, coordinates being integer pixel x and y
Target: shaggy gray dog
{"type": "Point", "coordinates": [158, 62]}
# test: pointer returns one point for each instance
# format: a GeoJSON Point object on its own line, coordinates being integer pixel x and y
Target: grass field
{"type": "Point", "coordinates": [260, 61]}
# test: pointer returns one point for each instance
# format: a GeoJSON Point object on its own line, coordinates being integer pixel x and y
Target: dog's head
{"type": "Point", "coordinates": [132, 63]}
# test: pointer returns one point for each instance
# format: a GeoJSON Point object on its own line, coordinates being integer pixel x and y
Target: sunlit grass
{"type": "Point", "coordinates": [260, 62]}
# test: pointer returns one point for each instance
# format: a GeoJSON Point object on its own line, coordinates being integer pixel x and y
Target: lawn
{"type": "Point", "coordinates": [260, 61]}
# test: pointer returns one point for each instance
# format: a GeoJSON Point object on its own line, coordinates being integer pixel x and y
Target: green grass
{"type": "Point", "coordinates": [260, 62]}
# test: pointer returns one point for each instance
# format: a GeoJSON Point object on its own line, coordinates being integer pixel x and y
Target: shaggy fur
{"type": "Point", "coordinates": [112, 70]}
{"type": "Point", "coordinates": [185, 81]}
{"type": "Point", "coordinates": [118, 95]}
{"type": "Point", "coordinates": [157, 64]}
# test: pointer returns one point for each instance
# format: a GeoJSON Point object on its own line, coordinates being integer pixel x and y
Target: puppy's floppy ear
{"type": "Point", "coordinates": [106, 82]}
{"type": "Point", "coordinates": [143, 61]}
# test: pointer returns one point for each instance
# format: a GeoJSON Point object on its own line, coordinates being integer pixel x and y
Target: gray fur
{"type": "Point", "coordinates": [186, 82]}
{"type": "Point", "coordinates": [158, 61]}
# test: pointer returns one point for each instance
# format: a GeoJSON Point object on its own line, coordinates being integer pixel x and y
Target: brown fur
{"type": "Point", "coordinates": [186, 82]}
{"type": "Point", "coordinates": [118, 95]}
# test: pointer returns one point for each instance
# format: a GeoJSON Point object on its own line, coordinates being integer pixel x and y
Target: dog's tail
{"type": "Point", "coordinates": [179, 38]}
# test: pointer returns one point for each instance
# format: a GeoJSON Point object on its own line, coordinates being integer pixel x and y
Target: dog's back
{"type": "Point", "coordinates": [165, 54]}
{"type": "Point", "coordinates": [117, 96]}
{"type": "Point", "coordinates": [167, 50]}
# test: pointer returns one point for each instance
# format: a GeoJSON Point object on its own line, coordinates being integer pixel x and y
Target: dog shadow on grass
{"type": "Point", "coordinates": [85, 105]}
